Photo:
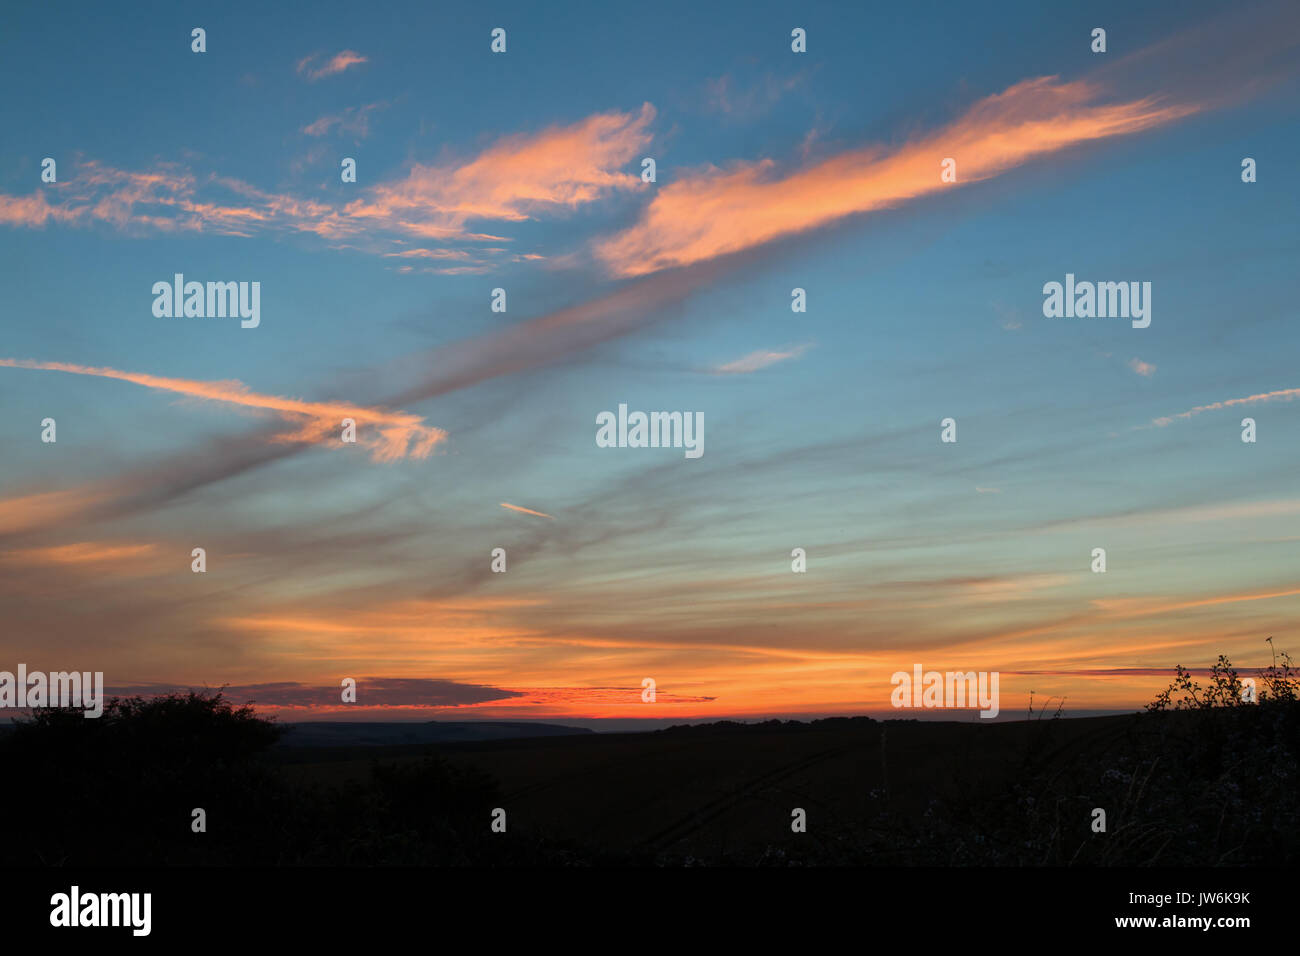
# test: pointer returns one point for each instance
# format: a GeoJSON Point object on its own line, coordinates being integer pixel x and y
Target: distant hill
{"type": "Point", "coordinates": [767, 726]}
{"type": "Point", "coordinates": [395, 733]}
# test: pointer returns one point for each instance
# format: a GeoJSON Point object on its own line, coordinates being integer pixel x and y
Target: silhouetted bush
{"type": "Point", "coordinates": [120, 789]}
{"type": "Point", "coordinates": [1203, 777]}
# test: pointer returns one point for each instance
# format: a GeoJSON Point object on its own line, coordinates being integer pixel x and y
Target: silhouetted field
{"type": "Point", "coordinates": [715, 790]}
{"type": "Point", "coordinates": [366, 734]}
{"type": "Point", "coordinates": [1200, 779]}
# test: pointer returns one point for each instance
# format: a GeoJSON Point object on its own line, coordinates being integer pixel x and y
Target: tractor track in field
{"type": "Point", "coordinates": [697, 819]}
{"type": "Point", "coordinates": [576, 777]}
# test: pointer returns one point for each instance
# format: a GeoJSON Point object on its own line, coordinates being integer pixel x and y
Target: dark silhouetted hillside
{"type": "Point", "coordinates": [1205, 776]}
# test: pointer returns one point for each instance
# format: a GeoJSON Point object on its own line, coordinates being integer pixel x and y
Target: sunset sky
{"type": "Point", "coordinates": [476, 429]}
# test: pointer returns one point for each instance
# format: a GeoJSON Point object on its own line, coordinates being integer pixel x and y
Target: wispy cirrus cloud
{"type": "Point", "coordinates": [527, 511]}
{"type": "Point", "coordinates": [315, 68]}
{"type": "Point", "coordinates": [168, 199]}
{"type": "Point", "coordinates": [560, 167]}
{"type": "Point", "coordinates": [80, 553]}
{"type": "Point", "coordinates": [554, 337]}
{"type": "Point", "coordinates": [756, 361]}
{"type": "Point", "coordinates": [740, 99]}
{"type": "Point", "coordinates": [451, 261]}
{"type": "Point", "coordinates": [390, 435]}
{"type": "Point", "coordinates": [1141, 607]}
{"type": "Point", "coordinates": [1237, 511]}
{"type": "Point", "coordinates": [1278, 395]}
{"type": "Point", "coordinates": [515, 179]}
{"type": "Point", "coordinates": [354, 120]}
{"type": "Point", "coordinates": [716, 212]}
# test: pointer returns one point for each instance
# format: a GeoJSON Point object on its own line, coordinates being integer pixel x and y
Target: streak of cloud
{"type": "Point", "coordinates": [80, 553]}
{"type": "Point", "coordinates": [334, 65]}
{"type": "Point", "coordinates": [715, 212]}
{"type": "Point", "coordinates": [1278, 395]}
{"type": "Point", "coordinates": [527, 511]}
{"type": "Point", "coordinates": [561, 167]}
{"type": "Point", "coordinates": [354, 120]}
{"type": "Point", "coordinates": [397, 434]}
{"type": "Point", "coordinates": [564, 333]}
{"type": "Point", "coordinates": [756, 361]}
{"type": "Point", "coordinates": [1141, 607]}
{"type": "Point", "coordinates": [720, 211]}
{"type": "Point", "coordinates": [371, 691]}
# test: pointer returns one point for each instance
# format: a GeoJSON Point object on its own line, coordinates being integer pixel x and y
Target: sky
{"type": "Point", "coordinates": [476, 428]}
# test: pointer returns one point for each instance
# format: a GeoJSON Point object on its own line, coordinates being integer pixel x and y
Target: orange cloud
{"type": "Point", "coordinates": [1140, 607]}
{"type": "Point", "coordinates": [527, 511]}
{"type": "Point", "coordinates": [717, 212]}
{"type": "Point", "coordinates": [390, 435]}
{"type": "Point", "coordinates": [408, 617]}
{"type": "Point", "coordinates": [335, 64]}
{"type": "Point", "coordinates": [1011, 588]}
{"type": "Point", "coordinates": [560, 167]}
{"type": "Point", "coordinates": [91, 560]}
{"type": "Point", "coordinates": [27, 512]}
{"type": "Point", "coordinates": [32, 211]}
{"type": "Point", "coordinates": [82, 552]}
{"type": "Point", "coordinates": [162, 200]}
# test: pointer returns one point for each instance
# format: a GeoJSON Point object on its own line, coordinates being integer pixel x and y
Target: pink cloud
{"type": "Point", "coordinates": [335, 64]}
{"type": "Point", "coordinates": [755, 361]}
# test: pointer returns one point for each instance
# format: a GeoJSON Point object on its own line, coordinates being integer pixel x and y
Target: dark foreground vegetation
{"type": "Point", "coordinates": [1203, 777]}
